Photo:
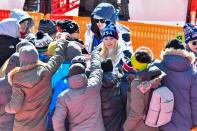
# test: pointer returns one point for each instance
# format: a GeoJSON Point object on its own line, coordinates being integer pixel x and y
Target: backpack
{"type": "Point", "coordinates": [160, 108]}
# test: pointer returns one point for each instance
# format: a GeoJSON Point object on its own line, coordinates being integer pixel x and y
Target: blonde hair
{"type": "Point", "coordinates": [105, 52]}
{"type": "Point", "coordinates": [3, 68]}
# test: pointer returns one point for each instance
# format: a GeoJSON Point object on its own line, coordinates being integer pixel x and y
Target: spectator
{"type": "Point", "coordinates": [24, 19]}
{"type": "Point", "coordinates": [31, 92]}
{"type": "Point", "coordinates": [102, 13]}
{"type": "Point", "coordinates": [7, 120]}
{"type": "Point", "coordinates": [81, 103]}
{"type": "Point", "coordinates": [59, 81]}
{"type": "Point", "coordinates": [138, 101]}
{"type": "Point", "coordinates": [111, 46]}
{"type": "Point", "coordinates": [181, 80]}
{"type": "Point", "coordinates": [41, 41]}
{"type": "Point", "coordinates": [72, 29]}
{"type": "Point", "coordinates": [191, 40]}
{"type": "Point", "coordinates": [9, 38]}
{"type": "Point", "coordinates": [112, 105]}
{"type": "Point", "coordinates": [49, 27]}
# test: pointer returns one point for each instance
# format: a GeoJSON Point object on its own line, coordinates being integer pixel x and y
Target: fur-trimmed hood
{"type": "Point", "coordinates": [25, 75]}
{"type": "Point", "coordinates": [177, 60]}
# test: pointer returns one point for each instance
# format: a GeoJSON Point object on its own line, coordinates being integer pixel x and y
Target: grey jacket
{"type": "Point", "coordinates": [81, 103]}
{"type": "Point", "coordinates": [31, 93]}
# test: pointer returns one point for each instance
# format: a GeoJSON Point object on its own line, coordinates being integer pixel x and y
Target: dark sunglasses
{"type": "Point", "coordinates": [101, 20]}
{"type": "Point", "coordinates": [194, 43]}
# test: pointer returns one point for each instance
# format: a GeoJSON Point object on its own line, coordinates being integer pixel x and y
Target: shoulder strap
{"type": "Point", "coordinates": [148, 104]}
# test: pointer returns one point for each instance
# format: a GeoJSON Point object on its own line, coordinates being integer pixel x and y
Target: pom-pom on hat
{"type": "Point", "coordinates": [41, 41]}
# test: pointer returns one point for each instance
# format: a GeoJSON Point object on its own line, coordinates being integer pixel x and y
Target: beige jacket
{"type": "Point", "coordinates": [137, 108]}
{"type": "Point", "coordinates": [31, 94]}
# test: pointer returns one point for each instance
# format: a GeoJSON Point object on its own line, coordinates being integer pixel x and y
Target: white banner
{"type": "Point", "coordinates": [163, 11]}
{"type": "Point", "coordinates": [11, 4]}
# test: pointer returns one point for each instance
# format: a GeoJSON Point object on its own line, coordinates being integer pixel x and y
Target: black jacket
{"type": "Point", "coordinates": [7, 47]}
{"type": "Point", "coordinates": [113, 110]}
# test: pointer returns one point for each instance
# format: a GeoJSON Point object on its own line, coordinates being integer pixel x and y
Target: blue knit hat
{"type": "Point", "coordinates": [110, 30]}
{"type": "Point", "coordinates": [190, 32]}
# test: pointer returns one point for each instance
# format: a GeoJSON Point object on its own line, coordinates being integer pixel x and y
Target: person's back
{"type": "Point", "coordinates": [181, 80]}
{"type": "Point", "coordinates": [6, 119]}
{"type": "Point", "coordinates": [59, 81]}
{"type": "Point", "coordinates": [138, 98]}
{"type": "Point", "coordinates": [31, 92]}
{"type": "Point", "coordinates": [81, 103]}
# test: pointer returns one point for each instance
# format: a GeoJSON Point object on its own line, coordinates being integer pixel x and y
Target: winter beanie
{"type": "Point", "coordinates": [72, 50]}
{"type": "Point", "coordinates": [48, 26]}
{"type": "Point", "coordinates": [42, 41]}
{"type": "Point", "coordinates": [190, 32]}
{"type": "Point", "coordinates": [79, 59]}
{"type": "Point", "coordinates": [107, 65]}
{"type": "Point", "coordinates": [68, 26]}
{"type": "Point", "coordinates": [28, 55]}
{"type": "Point", "coordinates": [141, 59]}
{"type": "Point", "coordinates": [76, 69]}
{"type": "Point", "coordinates": [180, 37]}
{"type": "Point", "coordinates": [24, 42]}
{"type": "Point", "coordinates": [110, 30]}
{"type": "Point", "coordinates": [176, 44]}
